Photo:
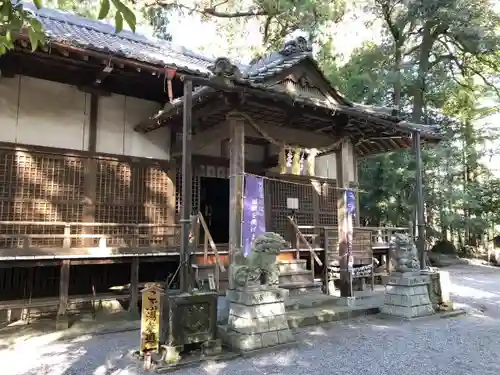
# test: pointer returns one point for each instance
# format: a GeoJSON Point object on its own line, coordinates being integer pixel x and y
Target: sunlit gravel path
{"type": "Point", "coordinates": [455, 346]}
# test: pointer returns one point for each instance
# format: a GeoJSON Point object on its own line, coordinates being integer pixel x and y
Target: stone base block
{"type": "Point", "coordinates": [171, 354]}
{"type": "Point", "coordinates": [62, 322]}
{"type": "Point", "coordinates": [257, 296]}
{"type": "Point", "coordinates": [253, 341]}
{"type": "Point", "coordinates": [212, 347]}
{"type": "Point", "coordinates": [407, 296]}
{"type": "Point", "coordinates": [407, 312]}
{"type": "Point", "coordinates": [257, 319]}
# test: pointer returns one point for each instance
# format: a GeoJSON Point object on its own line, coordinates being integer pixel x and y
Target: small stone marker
{"type": "Point", "coordinates": [150, 317]}
{"type": "Point", "coordinates": [440, 290]}
{"type": "Point", "coordinates": [211, 281]}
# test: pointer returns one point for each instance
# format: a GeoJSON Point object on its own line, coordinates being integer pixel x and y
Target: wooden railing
{"type": "Point", "coordinates": [208, 242]}
{"type": "Point", "coordinates": [77, 235]}
{"type": "Point", "coordinates": [301, 238]}
{"type": "Point", "coordinates": [381, 236]}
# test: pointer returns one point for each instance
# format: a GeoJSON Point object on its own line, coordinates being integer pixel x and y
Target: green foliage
{"type": "Point", "coordinates": [14, 19]}
{"type": "Point", "coordinates": [451, 74]}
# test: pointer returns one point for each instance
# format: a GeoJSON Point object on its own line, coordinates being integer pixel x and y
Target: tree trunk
{"type": "Point", "coordinates": [397, 71]}
{"type": "Point", "coordinates": [423, 69]}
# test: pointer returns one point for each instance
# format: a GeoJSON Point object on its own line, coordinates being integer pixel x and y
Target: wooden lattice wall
{"type": "Point", "coordinates": [51, 188]}
{"type": "Point", "coordinates": [317, 203]}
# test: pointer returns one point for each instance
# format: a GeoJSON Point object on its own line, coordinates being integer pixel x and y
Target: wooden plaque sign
{"type": "Point", "coordinates": [150, 319]}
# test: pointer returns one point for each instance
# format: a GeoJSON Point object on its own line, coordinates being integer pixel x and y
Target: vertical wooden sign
{"type": "Point", "coordinates": [150, 317]}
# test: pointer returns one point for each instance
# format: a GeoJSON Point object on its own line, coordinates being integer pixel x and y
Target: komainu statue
{"type": "Point", "coordinates": [259, 269]}
{"type": "Point", "coordinates": [404, 254]}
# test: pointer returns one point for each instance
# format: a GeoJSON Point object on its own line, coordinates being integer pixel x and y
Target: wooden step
{"type": "Point", "coordinates": [292, 265]}
{"type": "Point", "coordinates": [299, 288]}
{"type": "Point", "coordinates": [303, 276]}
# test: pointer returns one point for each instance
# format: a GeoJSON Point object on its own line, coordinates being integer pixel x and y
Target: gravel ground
{"type": "Point", "coordinates": [364, 346]}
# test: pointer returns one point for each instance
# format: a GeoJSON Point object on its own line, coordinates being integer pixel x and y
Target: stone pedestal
{"type": "Point", "coordinates": [257, 319]}
{"type": "Point", "coordinates": [406, 296]}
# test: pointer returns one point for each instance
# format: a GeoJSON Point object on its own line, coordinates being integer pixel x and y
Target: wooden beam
{"type": "Point", "coordinates": [291, 136]}
{"type": "Point", "coordinates": [214, 134]}
{"type": "Point", "coordinates": [273, 161]}
{"type": "Point", "coordinates": [5, 72]}
{"type": "Point", "coordinates": [93, 90]}
{"type": "Point", "coordinates": [103, 74]}
{"type": "Point", "coordinates": [256, 141]}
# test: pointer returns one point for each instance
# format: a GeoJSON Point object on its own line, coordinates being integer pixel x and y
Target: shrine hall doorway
{"type": "Point", "coordinates": [214, 206]}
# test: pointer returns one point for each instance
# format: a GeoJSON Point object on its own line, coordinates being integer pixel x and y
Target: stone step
{"type": "Point", "coordinates": [296, 276]}
{"type": "Point", "coordinates": [292, 265]}
{"type": "Point", "coordinates": [299, 288]}
{"type": "Point", "coordinates": [305, 301]}
{"type": "Point", "coordinates": [318, 315]}
{"type": "Point", "coordinates": [325, 314]}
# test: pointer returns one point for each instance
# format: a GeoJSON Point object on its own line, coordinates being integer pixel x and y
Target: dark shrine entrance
{"type": "Point", "coordinates": [214, 206]}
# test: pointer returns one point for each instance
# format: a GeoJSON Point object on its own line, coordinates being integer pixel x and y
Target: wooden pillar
{"type": "Point", "coordinates": [343, 158]}
{"type": "Point", "coordinates": [90, 178]}
{"type": "Point", "coordinates": [62, 317]}
{"type": "Point", "coordinates": [187, 181]}
{"type": "Point", "coordinates": [134, 286]}
{"type": "Point", "coordinates": [236, 183]}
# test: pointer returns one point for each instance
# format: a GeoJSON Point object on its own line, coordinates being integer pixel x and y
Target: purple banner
{"type": "Point", "coordinates": [350, 198]}
{"type": "Point", "coordinates": [350, 206]}
{"type": "Point", "coordinates": [254, 220]}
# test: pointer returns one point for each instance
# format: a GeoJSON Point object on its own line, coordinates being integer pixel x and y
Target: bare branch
{"type": "Point", "coordinates": [440, 59]}
{"type": "Point", "coordinates": [212, 11]}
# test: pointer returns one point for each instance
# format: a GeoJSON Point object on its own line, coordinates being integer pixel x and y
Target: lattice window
{"type": "Point", "coordinates": [328, 215]}
{"type": "Point", "coordinates": [195, 191]}
{"type": "Point", "coordinates": [278, 192]}
{"type": "Point", "coordinates": [133, 193]}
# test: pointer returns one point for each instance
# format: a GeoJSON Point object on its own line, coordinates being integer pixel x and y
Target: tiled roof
{"type": "Point", "coordinates": [100, 36]}
{"type": "Point", "coordinates": [273, 64]}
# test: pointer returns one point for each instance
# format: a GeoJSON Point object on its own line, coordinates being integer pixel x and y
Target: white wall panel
{"type": "Point", "coordinates": [155, 144]}
{"type": "Point", "coordinates": [111, 124]}
{"type": "Point", "coordinates": [42, 113]}
{"type": "Point", "coordinates": [45, 113]}
{"type": "Point", "coordinates": [9, 96]}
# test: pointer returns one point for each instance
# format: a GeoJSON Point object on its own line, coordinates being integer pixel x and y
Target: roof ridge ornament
{"type": "Point", "coordinates": [223, 68]}
{"type": "Point", "coordinates": [296, 43]}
